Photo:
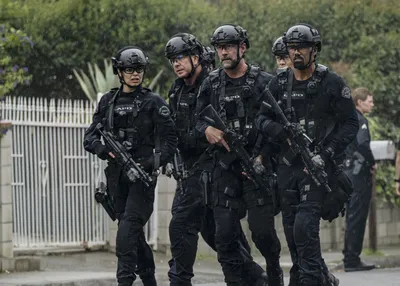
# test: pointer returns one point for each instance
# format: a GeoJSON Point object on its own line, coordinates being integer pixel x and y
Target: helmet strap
{"type": "Point", "coordinates": [193, 70]}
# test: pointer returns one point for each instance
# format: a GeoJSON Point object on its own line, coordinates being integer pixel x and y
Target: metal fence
{"type": "Point", "coordinates": [54, 177]}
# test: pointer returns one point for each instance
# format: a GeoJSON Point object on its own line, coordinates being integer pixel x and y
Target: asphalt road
{"type": "Point", "coordinates": [381, 277]}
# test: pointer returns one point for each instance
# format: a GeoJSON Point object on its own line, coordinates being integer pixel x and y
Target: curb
{"type": "Point", "coordinates": [389, 261]}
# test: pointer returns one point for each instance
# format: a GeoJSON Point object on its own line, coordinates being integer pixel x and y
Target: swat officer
{"type": "Point", "coordinates": [281, 53]}
{"type": "Point", "coordinates": [234, 91]}
{"type": "Point", "coordinates": [320, 102]}
{"type": "Point", "coordinates": [360, 166]}
{"type": "Point", "coordinates": [190, 210]}
{"type": "Point", "coordinates": [210, 58]}
{"type": "Point", "coordinates": [140, 120]}
{"type": "Point", "coordinates": [187, 57]}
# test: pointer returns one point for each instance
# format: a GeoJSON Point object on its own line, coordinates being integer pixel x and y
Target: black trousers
{"type": "Point", "coordinates": [356, 215]}
{"type": "Point", "coordinates": [190, 216]}
{"type": "Point", "coordinates": [228, 207]}
{"type": "Point", "coordinates": [260, 216]}
{"type": "Point", "coordinates": [301, 201]}
{"type": "Point", "coordinates": [188, 213]}
{"type": "Point", "coordinates": [134, 206]}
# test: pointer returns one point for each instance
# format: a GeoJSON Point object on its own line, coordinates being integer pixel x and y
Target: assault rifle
{"type": "Point", "coordinates": [132, 169]}
{"type": "Point", "coordinates": [299, 144]}
{"type": "Point", "coordinates": [103, 197]}
{"type": "Point", "coordinates": [177, 169]}
{"type": "Point", "coordinates": [236, 143]}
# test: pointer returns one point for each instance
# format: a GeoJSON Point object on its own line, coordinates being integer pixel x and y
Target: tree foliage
{"type": "Point", "coordinates": [360, 38]}
{"type": "Point", "coordinates": [13, 71]}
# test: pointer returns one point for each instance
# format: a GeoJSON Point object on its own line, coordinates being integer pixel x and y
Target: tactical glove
{"type": "Point", "coordinates": [147, 164]}
{"type": "Point", "coordinates": [101, 151]}
{"type": "Point", "coordinates": [275, 130]}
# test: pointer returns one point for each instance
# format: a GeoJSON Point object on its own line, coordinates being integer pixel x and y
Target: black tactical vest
{"type": "Point", "coordinates": [128, 122]}
{"type": "Point", "coordinates": [184, 105]}
{"type": "Point", "coordinates": [235, 102]}
{"type": "Point", "coordinates": [298, 100]}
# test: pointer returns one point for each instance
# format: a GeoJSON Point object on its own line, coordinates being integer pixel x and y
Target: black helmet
{"type": "Point", "coordinates": [230, 33]}
{"type": "Point", "coordinates": [279, 48]}
{"type": "Point", "coordinates": [209, 56]}
{"type": "Point", "coordinates": [129, 56]}
{"type": "Point", "coordinates": [183, 43]}
{"type": "Point", "coordinates": [303, 33]}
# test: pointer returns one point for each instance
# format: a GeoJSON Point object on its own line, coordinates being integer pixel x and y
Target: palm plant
{"type": "Point", "coordinates": [97, 83]}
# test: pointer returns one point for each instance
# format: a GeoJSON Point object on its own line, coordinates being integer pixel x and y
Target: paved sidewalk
{"type": "Point", "coordinates": [98, 268]}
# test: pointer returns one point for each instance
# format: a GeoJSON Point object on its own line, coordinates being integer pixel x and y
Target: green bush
{"type": "Point", "coordinates": [382, 130]}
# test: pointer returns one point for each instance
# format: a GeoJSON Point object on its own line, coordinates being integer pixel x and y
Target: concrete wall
{"type": "Point", "coordinates": [6, 218]}
{"type": "Point", "coordinates": [332, 234]}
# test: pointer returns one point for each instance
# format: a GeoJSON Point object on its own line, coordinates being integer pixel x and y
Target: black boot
{"type": "Point", "coordinates": [331, 280]}
{"type": "Point", "coordinates": [360, 266]}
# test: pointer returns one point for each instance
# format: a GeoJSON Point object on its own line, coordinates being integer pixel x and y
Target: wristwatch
{"type": "Point", "coordinates": [397, 180]}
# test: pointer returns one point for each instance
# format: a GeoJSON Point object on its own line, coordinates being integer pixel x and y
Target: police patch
{"type": "Point", "coordinates": [346, 93]}
{"type": "Point", "coordinates": [164, 111]}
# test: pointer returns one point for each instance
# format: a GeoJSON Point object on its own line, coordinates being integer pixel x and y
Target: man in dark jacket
{"type": "Point", "coordinates": [360, 166]}
{"type": "Point", "coordinates": [234, 92]}
{"type": "Point", "coordinates": [318, 103]}
{"type": "Point", "coordinates": [192, 206]}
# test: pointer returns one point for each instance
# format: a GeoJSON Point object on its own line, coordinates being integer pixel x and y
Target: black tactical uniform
{"type": "Point", "coordinates": [141, 121]}
{"type": "Point", "coordinates": [358, 164]}
{"type": "Point", "coordinates": [191, 213]}
{"type": "Point", "coordinates": [322, 105]}
{"type": "Point", "coordinates": [188, 208]}
{"type": "Point", "coordinates": [237, 101]}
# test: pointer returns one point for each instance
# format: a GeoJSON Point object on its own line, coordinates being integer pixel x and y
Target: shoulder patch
{"type": "Point", "coordinates": [164, 111]}
{"type": "Point", "coordinates": [346, 93]}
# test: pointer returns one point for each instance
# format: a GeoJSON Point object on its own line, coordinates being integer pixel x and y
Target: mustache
{"type": "Point", "coordinates": [298, 57]}
{"type": "Point", "coordinates": [225, 59]}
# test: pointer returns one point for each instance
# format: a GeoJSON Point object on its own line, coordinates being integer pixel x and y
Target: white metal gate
{"type": "Point", "coordinates": [54, 177]}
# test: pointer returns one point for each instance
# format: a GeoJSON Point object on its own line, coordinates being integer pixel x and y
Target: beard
{"type": "Point", "coordinates": [299, 65]}
{"type": "Point", "coordinates": [232, 65]}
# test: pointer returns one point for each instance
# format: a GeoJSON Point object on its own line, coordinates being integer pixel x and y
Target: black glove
{"type": "Point", "coordinates": [275, 130]}
{"type": "Point", "coordinates": [147, 164]}
{"type": "Point", "coordinates": [333, 204]}
{"type": "Point", "coordinates": [101, 151]}
{"type": "Point", "coordinates": [327, 154]}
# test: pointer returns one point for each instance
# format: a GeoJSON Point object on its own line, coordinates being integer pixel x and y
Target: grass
{"type": "Point", "coordinates": [370, 252]}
